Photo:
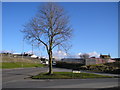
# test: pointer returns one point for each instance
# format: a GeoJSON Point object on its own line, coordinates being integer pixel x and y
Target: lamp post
{"type": "Point", "coordinates": [23, 48]}
{"type": "Point", "coordinates": [22, 52]}
{"type": "Point", "coordinates": [32, 48]}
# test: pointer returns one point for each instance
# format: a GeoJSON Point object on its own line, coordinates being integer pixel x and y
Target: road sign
{"type": "Point", "coordinates": [76, 71]}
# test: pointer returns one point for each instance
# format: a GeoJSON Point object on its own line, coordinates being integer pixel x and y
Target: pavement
{"type": "Point", "coordinates": [18, 78]}
{"type": "Point", "coordinates": [107, 74]}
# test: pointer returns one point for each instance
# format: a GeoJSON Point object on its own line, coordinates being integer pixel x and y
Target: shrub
{"type": "Point", "coordinates": [68, 65]}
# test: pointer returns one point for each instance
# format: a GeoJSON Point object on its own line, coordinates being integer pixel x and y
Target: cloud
{"type": "Point", "coordinates": [94, 54]}
{"type": "Point", "coordinates": [38, 53]}
{"type": "Point", "coordinates": [29, 52]}
{"type": "Point", "coordinates": [91, 54]}
{"type": "Point", "coordinates": [79, 53]}
{"type": "Point", "coordinates": [6, 51]}
{"type": "Point", "coordinates": [59, 54]}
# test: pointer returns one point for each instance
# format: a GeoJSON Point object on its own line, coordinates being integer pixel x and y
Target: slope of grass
{"type": "Point", "coordinates": [19, 59]}
{"type": "Point", "coordinates": [68, 75]}
{"type": "Point", "coordinates": [9, 61]}
{"type": "Point", "coordinates": [19, 65]}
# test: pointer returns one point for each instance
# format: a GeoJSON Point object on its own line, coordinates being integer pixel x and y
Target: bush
{"type": "Point", "coordinates": [113, 68]}
{"type": "Point", "coordinates": [107, 68]}
{"type": "Point", "coordinates": [68, 65]}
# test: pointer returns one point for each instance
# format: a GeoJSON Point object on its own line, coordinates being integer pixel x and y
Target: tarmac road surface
{"type": "Point", "coordinates": [17, 78]}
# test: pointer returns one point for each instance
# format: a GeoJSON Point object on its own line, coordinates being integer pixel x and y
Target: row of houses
{"type": "Point", "coordinates": [29, 56]}
{"type": "Point", "coordinates": [90, 61]}
{"type": "Point", "coordinates": [85, 61]}
{"type": "Point", "coordinates": [21, 55]}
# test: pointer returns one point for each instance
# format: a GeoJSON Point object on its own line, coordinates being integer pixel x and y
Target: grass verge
{"type": "Point", "coordinates": [6, 65]}
{"type": "Point", "coordinates": [68, 75]}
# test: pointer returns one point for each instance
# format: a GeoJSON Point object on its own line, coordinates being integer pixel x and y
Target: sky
{"type": "Point", "coordinates": [95, 27]}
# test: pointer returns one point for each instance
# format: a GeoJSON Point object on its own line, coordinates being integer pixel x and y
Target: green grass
{"type": "Point", "coordinates": [19, 59]}
{"type": "Point", "coordinates": [19, 65]}
{"type": "Point", "coordinates": [9, 61]}
{"type": "Point", "coordinates": [68, 75]}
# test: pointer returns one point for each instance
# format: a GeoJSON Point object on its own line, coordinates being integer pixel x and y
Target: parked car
{"type": "Point", "coordinates": [53, 63]}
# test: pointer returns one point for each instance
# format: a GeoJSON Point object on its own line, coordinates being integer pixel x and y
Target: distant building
{"type": "Point", "coordinates": [73, 60]}
{"type": "Point", "coordinates": [89, 61]}
{"type": "Point", "coordinates": [27, 54]}
{"type": "Point", "coordinates": [92, 61]}
{"type": "Point", "coordinates": [44, 60]}
{"type": "Point", "coordinates": [16, 54]}
{"type": "Point", "coordinates": [116, 59]}
{"type": "Point", "coordinates": [105, 56]}
{"type": "Point", "coordinates": [34, 56]}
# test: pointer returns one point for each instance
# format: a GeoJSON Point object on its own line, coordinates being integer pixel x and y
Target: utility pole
{"type": "Point", "coordinates": [22, 52]}
{"type": "Point", "coordinates": [23, 48]}
{"type": "Point", "coordinates": [32, 48]}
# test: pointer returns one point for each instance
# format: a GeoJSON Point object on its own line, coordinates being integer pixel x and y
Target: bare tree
{"type": "Point", "coordinates": [49, 27]}
{"type": "Point", "coordinates": [84, 56]}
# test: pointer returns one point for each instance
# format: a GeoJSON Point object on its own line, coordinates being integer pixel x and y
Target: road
{"type": "Point", "coordinates": [18, 78]}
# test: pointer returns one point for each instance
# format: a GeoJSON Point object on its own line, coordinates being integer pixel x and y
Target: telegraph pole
{"type": "Point", "coordinates": [23, 48]}
{"type": "Point", "coordinates": [32, 48]}
{"type": "Point", "coordinates": [22, 52]}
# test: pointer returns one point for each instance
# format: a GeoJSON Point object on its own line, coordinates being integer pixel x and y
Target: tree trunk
{"type": "Point", "coordinates": [50, 63]}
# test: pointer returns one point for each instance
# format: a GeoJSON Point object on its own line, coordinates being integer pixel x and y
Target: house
{"type": "Point", "coordinates": [44, 61]}
{"type": "Point", "coordinates": [89, 61]}
{"type": "Point", "coordinates": [34, 56]}
{"type": "Point", "coordinates": [86, 61]}
{"type": "Point", "coordinates": [28, 55]}
{"type": "Point", "coordinates": [105, 56]}
{"type": "Point", "coordinates": [92, 61]}
{"type": "Point", "coordinates": [116, 59]}
{"type": "Point", "coordinates": [16, 54]}
{"type": "Point", "coordinates": [73, 60]}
